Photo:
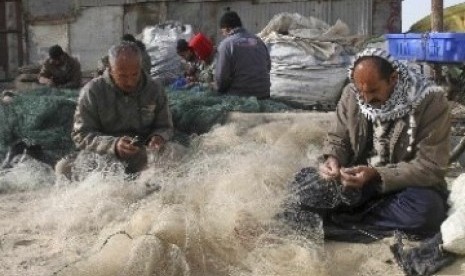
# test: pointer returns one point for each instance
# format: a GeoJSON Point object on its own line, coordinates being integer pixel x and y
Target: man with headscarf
{"type": "Point", "coordinates": [122, 113]}
{"type": "Point", "coordinates": [60, 70]}
{"type": "Point", "coordinates": [390, 146]}
{"type": "Point", "coordinates": [243, 62]}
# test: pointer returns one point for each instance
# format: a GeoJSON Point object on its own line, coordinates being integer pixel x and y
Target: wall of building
{"type": "Point", "coordinates": [94, 32]}
{"type": "Point", "coordinates": [89, 27]}
{"type": "Point", "coordinates": [41, 37]}
{"type": "Point", "coordinates": [11, 38]}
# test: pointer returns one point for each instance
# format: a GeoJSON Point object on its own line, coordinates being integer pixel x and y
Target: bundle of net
{"type": "Point", "coordinates": [198, 112]}
{"type": "Point", "coordinates": [215, 212]}
{"type": "Point", "coordinates": [42, 117]}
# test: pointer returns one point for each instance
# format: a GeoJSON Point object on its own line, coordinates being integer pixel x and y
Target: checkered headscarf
{"type": "Point", "coordinates": [409, 92]}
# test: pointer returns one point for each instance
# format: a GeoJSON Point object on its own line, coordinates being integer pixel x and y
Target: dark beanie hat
{"type": "Point", "coordinates": [55, 52]}
{"type": "Point", "coordinates": [182, 45]}
{"type": "Point", "coordinates": [230, 19]}
{"type": "Point", "coordinates": [128, 37]}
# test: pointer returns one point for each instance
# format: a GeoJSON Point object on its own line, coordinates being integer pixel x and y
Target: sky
{"type": "Point", "coordinates": [414, 10]}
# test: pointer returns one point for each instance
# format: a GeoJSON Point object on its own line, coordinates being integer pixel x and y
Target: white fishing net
{"type": "Point", "coordinates": [209, 209]}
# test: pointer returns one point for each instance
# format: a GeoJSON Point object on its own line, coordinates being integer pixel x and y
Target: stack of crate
{"type": "Point", "coordinates": [429, 47]}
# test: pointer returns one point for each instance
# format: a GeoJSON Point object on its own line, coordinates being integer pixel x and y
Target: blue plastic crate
{"type": "Point", "coordinates": [446, 47]}
{"type": "Point", "coordinates": [409, 46]}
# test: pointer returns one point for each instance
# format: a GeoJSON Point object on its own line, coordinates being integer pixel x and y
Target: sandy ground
{"type": "Point", "coordinates": [48, 229]}
{"type": "Point", "coordinates": [28, 251]}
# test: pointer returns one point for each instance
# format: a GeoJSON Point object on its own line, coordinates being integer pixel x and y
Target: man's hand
{"type": "Point", "coordinates": [330, 168]}
{"type": "Point", "coordinates": [124, 148]}
{"type": "Point", "coordinates": [359, 176]}
{"type": "Point", "coordinates": [156, 142]}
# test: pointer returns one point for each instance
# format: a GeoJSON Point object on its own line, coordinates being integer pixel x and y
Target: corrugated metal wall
{"type": "Point", "coordinates": [356, 13]}
{"type": "Point", "coordinates": [95, 31]}
{"type": "Point", "coordinates": [42, 37]}
{"type": "Point", "coordinates": [204, 16]}
{"type": "Point", "coordinates": [364, 17]}
{"type": "Point", "coordinates": [11, 39]}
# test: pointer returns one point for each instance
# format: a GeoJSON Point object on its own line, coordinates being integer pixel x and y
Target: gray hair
{"type": "Point", "coordinates": [124, 47]}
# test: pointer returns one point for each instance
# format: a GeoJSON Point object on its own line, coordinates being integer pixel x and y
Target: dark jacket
{"type": "Point", "coordinates": [105, 113]}
{"type": "Point", "coordinates": [243, 65]}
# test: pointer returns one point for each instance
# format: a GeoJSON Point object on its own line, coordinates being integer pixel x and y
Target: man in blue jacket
{"type": "Point", "coordinates": [243, 61]}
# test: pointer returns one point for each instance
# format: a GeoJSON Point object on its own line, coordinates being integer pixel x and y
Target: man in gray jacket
{"type": "Point", "coordinates": [118, 106]}
{"type": "Point", "coordinates": [390, 147]}
{"type": "Point", "coordinates": [243, 62]}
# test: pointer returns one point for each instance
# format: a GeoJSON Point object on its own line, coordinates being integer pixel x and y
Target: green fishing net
{"type": "Point", "coordinates": [44, 116]}
{"type": "Point", "coordinates": [197, 112]}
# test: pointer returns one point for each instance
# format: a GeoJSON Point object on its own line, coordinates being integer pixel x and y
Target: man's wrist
{"type": "Point", "coordinates": [376, 180]}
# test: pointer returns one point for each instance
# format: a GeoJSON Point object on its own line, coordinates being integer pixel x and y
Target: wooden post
{"type": "Point", "coordinates": [437, 8]}
{"type": "Point", "coordinates": [437, 25]}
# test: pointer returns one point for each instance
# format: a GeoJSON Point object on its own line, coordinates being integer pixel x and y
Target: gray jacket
{"type": "Point", "coordinates": [425, 166]}
{"type": "Point", "coordinates": [105, 113]}
{"type": "Point", "coordinates": [243, 65]}
{"type": "Point", "coordinates": [65, 76]}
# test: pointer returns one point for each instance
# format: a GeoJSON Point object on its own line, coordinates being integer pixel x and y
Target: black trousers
{"type": "Point", "coordinates": [414, 210]}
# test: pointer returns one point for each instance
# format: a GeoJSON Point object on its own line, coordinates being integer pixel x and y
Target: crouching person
{"type": "Point", "coordinates": [386, 156]}
{"type": "Point", "coordinates": [115, 108]}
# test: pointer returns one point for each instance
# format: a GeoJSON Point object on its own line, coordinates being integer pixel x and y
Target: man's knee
{"type": "Point", "coordinates": [425, 207]}
{"type": "Point", "coordinates": [413, 210]}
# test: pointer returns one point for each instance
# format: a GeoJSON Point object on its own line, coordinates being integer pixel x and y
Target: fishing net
{"type": "Point", "coordinates": [214, 213]}
{"type": "Point", "coordinates": [43, 116]}
{"type": "Point", "coordinates": [197, 112]}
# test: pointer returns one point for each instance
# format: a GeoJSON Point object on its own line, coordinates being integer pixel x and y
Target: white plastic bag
{"type": "Point", "coordinates": [453, 228]}
{"type": "Point", "coordinates": [160, 41]}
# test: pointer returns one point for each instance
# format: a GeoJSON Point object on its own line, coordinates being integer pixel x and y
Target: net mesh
{"type": "Point", "coordinates": [197, 112]}
{"type": "Point", "coordinates": [43, 116]}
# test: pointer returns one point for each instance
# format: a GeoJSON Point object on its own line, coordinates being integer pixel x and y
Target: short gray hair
{"type": "Point", "coordinates": [124, 47]}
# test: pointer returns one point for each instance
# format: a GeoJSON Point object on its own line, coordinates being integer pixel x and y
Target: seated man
{"type": "Point", "coordinates": [118, 106]}
{"type": "Point", "coordinates": [60, 70]}
{"type": "Point", "coordinates": [389, 145]}
{"type": "Point", "coordinates": [189, 60]}
{"type": "Point", "coordinates": [243, 62]}
{"type": "Point", "coordinates": [103, 63]}
{"type": "Point", "coordinates": [199, 55]}
{"type": "Point", "coordinates": [203, 49]}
